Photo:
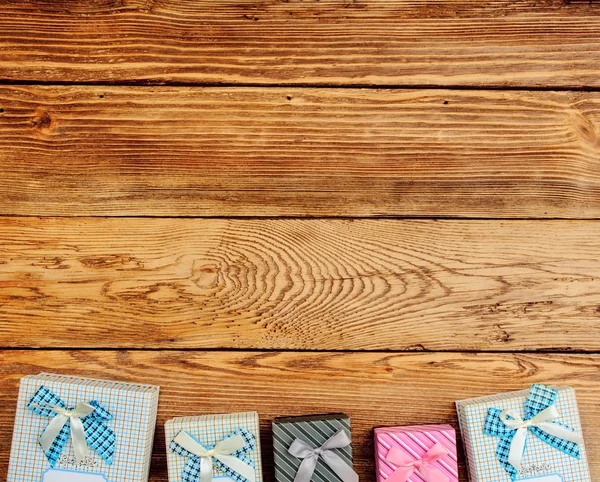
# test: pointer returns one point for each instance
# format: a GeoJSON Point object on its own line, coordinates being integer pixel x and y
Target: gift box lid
{"type": "Point", "coordinates": [208, 419]}
{"type": "Point", "coordinates": [311, 418]}
{"type": "Point", "coordinates": [93, 383]}
{"type": "Point", "coordinates": [464, 404]}
{"type": "Point", "coordinates": [416, 428]}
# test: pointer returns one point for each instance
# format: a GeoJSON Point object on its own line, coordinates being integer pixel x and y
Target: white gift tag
{"type": "Point", "coordinates": [223, 479]}
{"type": "Point", "coordinates": [54, 475]}
{"type": "Point", "coordinates": [543, 478]}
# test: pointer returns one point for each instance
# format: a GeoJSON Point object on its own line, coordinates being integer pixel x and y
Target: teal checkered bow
{"type": "Point", "coordinates": [84, 423]}
{"type": "Point", "coordinates": [540, 419]}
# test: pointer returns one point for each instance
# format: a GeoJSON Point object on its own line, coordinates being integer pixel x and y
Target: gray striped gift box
{"type": "Point", "coordinates": [315, 430]}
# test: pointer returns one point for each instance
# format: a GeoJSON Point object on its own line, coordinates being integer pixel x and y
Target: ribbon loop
{"type": "Point", "coordinates": [540, 419]}
{"type": "Point", "coordinates": [310, 457]}
{"type": "Point", "coordinates": [84, 423]}
{"type": "Point", "coordinates": [77, 431]}
{"type": "Point", "coordinates": [407, 466]}
{"type": "Point", "coordinates": [228, 454]}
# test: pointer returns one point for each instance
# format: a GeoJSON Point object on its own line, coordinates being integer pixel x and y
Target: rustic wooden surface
{"type": "Point", "coordinates": [525, 43]}
{"type": "Point", "coordinates": [185, 233]}
{"type": "Point", "coordinates": [300, 284]}
{"type": "Point", "coordinates": [165, 151]}
{"type": "Point", "coordinates": [373, 388]}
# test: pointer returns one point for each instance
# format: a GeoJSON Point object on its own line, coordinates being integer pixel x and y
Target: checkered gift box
{"type": "Point", "coordinates": [488, 439]}
{"type": "Point", "coordinates": [206, 432]}
{"type": "Point", "coordinates": [119, 432]}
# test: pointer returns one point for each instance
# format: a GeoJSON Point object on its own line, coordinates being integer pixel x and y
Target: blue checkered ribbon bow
{"type": "Point", "coordinates": [229, 455]}
{"type": "Point", "coordinates": [540, 419]}
{"type": "Point", "coordinates": [84, 423]}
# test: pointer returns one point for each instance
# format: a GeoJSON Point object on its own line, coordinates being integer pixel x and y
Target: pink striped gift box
{"type": "Point", "coordinates": [417, 453]}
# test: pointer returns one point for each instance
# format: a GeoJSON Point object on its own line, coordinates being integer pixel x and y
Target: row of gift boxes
{"type": "Point", "coordinates": [71, 429]}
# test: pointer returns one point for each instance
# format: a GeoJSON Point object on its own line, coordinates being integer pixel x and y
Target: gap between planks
{"type": "Point", "coordinates": [297, 218]}
{"type": "Point", "coordinates": [206, 85]}
{"type": "Point", "coordinates": [306, 351]}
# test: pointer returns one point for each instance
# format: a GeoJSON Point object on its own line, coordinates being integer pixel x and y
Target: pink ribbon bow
{"type": "Point", "coordinates": [407, 466]}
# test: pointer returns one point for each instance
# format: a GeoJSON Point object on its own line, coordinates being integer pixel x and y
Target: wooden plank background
{"type": "Point", "coordinates": [299, 283]}
{"type": "Point", "coordinates": [165, 151]}
{"type": "Point", "coordinates": [373, 388]}
{"type": "Point", "coordinates": [191, 194]}
{"type": "Point", "coordinates": [329, 42]}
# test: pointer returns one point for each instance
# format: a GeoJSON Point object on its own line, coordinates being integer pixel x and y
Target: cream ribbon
{"type": "Point", "coordinates": [222, 452]}
{"type": "Point", "coordinates": [541, 421]}
{"type": "Point", "coordinates": [57, 423]}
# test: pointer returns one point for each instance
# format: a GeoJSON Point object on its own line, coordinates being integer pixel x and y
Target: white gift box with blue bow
{"type": "Point", "coordinates": [530, 435]}
{"type": "Point", "coordinates": [219, 448]}
{"type": "Point", "coordinates": [73, 429]}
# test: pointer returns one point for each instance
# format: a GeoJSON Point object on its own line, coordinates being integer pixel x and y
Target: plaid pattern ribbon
{"type": "Point", "coordinates": [86, 421]}
{"type": "Point", "coordinates": [540, 419]}
{"type": "Point", "coordinates": [228, 455]}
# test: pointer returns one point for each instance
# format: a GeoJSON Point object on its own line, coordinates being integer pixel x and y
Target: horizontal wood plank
{"type": "Point", "coordinates": [334, 42]}
{"type": "Point", "coordinates": [298, 152]}
{"type": "Point", "coordinates": [300, 284]}
{"type": "Point", "coordinates": [374, 389]}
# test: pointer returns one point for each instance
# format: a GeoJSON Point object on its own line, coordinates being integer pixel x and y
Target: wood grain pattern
{"type": "Point", "coordinates": [100, 154]}
{"type": "Point", "coordinates": [300, 284]}
{"type": "Point", "coordinates": [359, 42]}
{"type": "Point", "coordinates": [374, 389]}
{"type": "Point", "coordinates": [298, 152]}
